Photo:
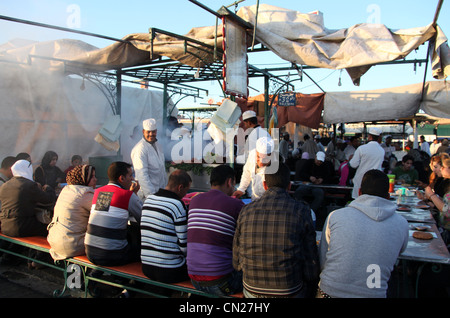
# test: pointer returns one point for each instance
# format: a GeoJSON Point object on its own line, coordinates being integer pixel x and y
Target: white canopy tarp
{"type": "Point", "coordinates": [385, 128]}
{"type": "Point", "coordinates": [294, 36]}
{"type": "Point", "coordinates": [387, 104]}
{"type": "Point", "coordinates": [300, 38]}
{"type": "Point", "coordinates": [303, 39]}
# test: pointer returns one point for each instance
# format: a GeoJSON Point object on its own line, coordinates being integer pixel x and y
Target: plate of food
{"type": "Point", "coordinates": [422, 235]}
{"type": "Point", "coordinates": [422, 206]}
{"type": "Point", "coordinates": [422, 227]}
{"type": "Point", "coordinates": [403, 208]}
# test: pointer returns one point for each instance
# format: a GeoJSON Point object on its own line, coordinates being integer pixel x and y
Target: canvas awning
{"type": "Point", "coordinates": [296, 37]}
{"type": "Point", "coordinates": [301, 38]}
{"type": "Point", "coordinates": [387, 104]}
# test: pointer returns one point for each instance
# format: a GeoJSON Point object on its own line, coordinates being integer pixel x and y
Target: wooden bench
{"type": "Point", "coordinates": [38, 243]}
{"type": "Point", "coordinates": [130, 272]}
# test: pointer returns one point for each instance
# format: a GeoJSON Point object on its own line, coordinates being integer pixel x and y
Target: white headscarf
{"type": "Point", "coordinates": [22, 168]}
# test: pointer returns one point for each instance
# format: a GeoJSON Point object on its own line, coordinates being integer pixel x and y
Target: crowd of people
{"type": "Point", "coordinates": [266, 248]}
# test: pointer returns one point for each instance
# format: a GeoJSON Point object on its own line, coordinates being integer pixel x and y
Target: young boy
{"type": "Point", "coordinates": [406, 173]}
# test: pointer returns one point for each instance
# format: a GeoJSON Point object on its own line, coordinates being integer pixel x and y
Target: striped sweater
{"type": "Point", "coordinates": [163, 230]}
{"type": "Point", "coordinates": [106, 236]}
{"type": "Point", "coordinates": [211, 224]}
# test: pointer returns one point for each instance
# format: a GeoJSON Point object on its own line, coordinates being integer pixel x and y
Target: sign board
{"type": "Point", "coordinates": [235, 60]}
{"type": "Point", "coordinates": [287, 99]}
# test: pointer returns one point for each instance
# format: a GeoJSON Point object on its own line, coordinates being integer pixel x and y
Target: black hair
{"type": "Point", "coordinates": [8, 162]}
{"type": "Point", "coordinates": [117, 169]}
{"type": "Point", "coordinates": [23, 156]}
{"type": "Point", "coordinates": [280, 179]}
{"type": "Point", "coordinates": [220, 174]}
{"type": "Point", "coordinates": [48, 157]}
{"type": "Point", "coordinates": [407, 157]}
{"type": "Point", "coordinates": [252, 120]}
{"type": "Point", "coordinates": [375, 182]}
{"type": "Point", "coordinates": [75, 157]}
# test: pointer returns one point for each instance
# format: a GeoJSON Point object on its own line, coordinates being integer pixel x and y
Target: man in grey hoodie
{"type": "Point", "coordinates": [361, 243]}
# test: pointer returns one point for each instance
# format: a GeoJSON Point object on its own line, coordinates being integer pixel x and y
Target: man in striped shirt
{"type": "Point", "coordinates": [164, 231]}
{"type": "Point", "coordinates": [211, 223]}
{"type": "Point", "coordinates": [112, 236]}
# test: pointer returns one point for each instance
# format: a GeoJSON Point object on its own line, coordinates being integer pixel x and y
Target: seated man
{"type": "Point", "coordinates": [211, 223]}
{"type": "Point", "coordinates": [164, 231]}
{"type": "Point", "coordinates": [21, 212]}
{"type": "Point", "coordinates": [317, 171]}
{"type": "Point", "coordinates": [360, 243]}
{"type": "Point", "coordinates": [406, 173]}
{"type": "Point", "coordinates": [5, 169]}
{"type": "Point", "coordinates": [21, 197]}
{"type": "Point", "coordinates": [275, 243]}
{"type": "Point", "coordinates": [109, 240]}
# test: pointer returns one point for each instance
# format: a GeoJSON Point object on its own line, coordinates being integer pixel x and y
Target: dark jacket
{"type": "Point", "coordinates": [309, 168]}
{"type": "Point", "coordinates": [49, 175]}
{"type": "Point", "coordinates": [19, 198]}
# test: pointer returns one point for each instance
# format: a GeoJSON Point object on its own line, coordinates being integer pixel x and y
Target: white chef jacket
{"type": "Point", "coordinates": [366, 157]}
{"type": "Point", "coordinates": [149, 166]}
{"type": "Point", "coordinates": [252, 175]}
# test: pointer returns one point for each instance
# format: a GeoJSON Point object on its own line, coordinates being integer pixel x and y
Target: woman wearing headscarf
{"type": "Point", "coordinates": [48, 172]}
{"type": "Point", "coordinates": [71, 215]}
{"type": "Point", "coordinates": [20, 197]}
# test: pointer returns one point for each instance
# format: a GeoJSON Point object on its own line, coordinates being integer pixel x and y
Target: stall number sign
{"type": "Point", "coordinates": [287, 99]}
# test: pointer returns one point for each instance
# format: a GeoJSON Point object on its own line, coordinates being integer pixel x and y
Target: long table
{"type": "Point", "coordinates": [323, 186]}
{"type": "Point", "coordinates": [417, 213]}
{"type": "Point", "coordinates": [433, 251]}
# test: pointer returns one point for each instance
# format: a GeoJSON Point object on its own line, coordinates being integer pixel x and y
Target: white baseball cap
{"type": "Point", "coordinates": [320, 155]}
{"type": "Point", "coordinates": [248, 114]}
{"type": "Point", "coordinates": [149, 124]}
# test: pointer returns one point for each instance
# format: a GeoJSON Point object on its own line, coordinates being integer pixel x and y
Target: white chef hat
{"type": "Point", "coordinates": [248, 114]}
{"type": "Point", "coordinates": [149, 124]}
{"type": "Point", "coordinates": [375, 131]}
{"type": "Point", "coordinates": [265, 145]}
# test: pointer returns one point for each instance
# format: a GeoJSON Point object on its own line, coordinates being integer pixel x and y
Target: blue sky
{"type": "Point", "coordinates": [119, 18]}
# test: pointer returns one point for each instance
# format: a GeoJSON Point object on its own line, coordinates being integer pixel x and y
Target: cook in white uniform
{"type": "Point", "coordinates": [148, 161]}
{"type": "Point", "coordinates": [367, 157]}
{"type": "Point", "coordinates": [253, 131]}
{"type": "Point", "coordinates": [255, 167]}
